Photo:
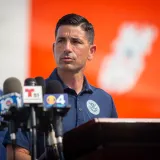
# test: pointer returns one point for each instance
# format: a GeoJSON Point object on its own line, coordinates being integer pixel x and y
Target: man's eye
{"type": "Point", "coordinates": [60, 40]}
{"type": "Point", "coordinates": [76, 41]}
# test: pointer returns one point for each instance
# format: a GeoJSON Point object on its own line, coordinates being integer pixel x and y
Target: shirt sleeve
{"type": "Point", "coordinates": [22, 140]}
{"type": "Point", "coordinates": [2, 148]}
{"type": "Point", "coordinates": [114, 112]}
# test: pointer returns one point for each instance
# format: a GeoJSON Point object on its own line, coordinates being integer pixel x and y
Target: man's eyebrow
{"type": "Point", "coordinates": [76, 38]}
{"type": "Point", "coordinates": [61, 37]}
{"type": "Point", "coordinates": [73, 38]}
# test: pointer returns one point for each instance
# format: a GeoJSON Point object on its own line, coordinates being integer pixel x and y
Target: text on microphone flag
{"type": "Point", "coordinates": [55, 100]}
{"type": "Point", "coordinates": [32, 94]}
{"type": "Point", "coordinates": [8, 100]}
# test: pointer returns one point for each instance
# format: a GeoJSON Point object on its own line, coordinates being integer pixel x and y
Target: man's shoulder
{"type": "Point", "coordinates": [53, 75]}
{"type": "Point", "coordinates": [105, 101]}
{"type": "Point", "coordinates": [100, 92]}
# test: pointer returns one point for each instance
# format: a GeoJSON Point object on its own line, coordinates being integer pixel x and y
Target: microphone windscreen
{"type": "Point", "coordinates": [54, 87]}
{"type": "Point", "coordinates": [41, 82]}
{"type": "Point", "coordinates": [30, 82]}
{"type": "Point", "coordinates": [12, 85]}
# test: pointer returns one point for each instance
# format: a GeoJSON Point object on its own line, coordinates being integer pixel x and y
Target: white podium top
{"type": "Point", "coordinates": [127, 120]}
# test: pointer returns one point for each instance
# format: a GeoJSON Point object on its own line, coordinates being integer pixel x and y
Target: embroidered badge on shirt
{"type": "Point", "coordinates": [93, 107]}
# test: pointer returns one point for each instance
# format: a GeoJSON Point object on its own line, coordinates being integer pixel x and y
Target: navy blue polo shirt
{"type": "Point", "coordinates": [90, 103]}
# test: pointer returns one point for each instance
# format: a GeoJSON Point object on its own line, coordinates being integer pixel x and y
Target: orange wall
{"type": "Point", "coordinates": [107, 16]}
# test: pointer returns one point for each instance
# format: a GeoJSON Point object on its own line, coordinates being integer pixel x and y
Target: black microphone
{"type": "Point", "coordinates": [46, 125]}
{"type": "Point", "coordinates": [11, 98]}
{"type": "Point", "coordinates": [55, 106]}
{"type": "Point", "coordinates": [54, 87]}
{"type": "Point", "coordinates": [41, 82]}
{"type": "Point", "coordinates": [11, 102]}
{"type": "Point", "coordinates": [12, 85]}
{"type": "Point", "coordinates": [40, 110]}
{"type": "Point", "coordinates": [58, 111]}
{"type": "Point", "coordinates": [33, 99]}
{"type": "Point", "coordinates": [27, 105]}
{"type": "Point", "coordinates": [30, 82]}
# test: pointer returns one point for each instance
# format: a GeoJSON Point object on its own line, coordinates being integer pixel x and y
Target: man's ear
{"type": "Point", "coordinates": [92, 52]}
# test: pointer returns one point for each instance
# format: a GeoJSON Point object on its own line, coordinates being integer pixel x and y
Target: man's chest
{"type": "Point", "coordinates": [84, 108]}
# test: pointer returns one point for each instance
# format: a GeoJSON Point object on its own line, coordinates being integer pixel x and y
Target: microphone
{"type": "Point", "coordinates": [41, 82]}
{"type": "Point", "coordinates": [10, 103]}
{"type": "Point", "coordinates": [46, 126]}
{"type": "Point", "coordinates": [30, 82]}
{"type": "Point", "coordinates": [7, 102]}
{"type": "Point", "coordinates": [32, 93]}
{"type": "Point", "coordinates": [56, 103]}
{"type": "Point", "coordinates": [40, 110]}
{"type": "Point", "coordinates": [33, 100]}
{"type": "Point", "coordinates": [11, 98]}
{"type": "Point", "coordinates": [11, 95]}
{"type": "Point", "coordinates": [12, 85]}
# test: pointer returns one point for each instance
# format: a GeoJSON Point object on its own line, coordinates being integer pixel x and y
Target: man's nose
{"type": "Point", "coordinates": [67, 47]}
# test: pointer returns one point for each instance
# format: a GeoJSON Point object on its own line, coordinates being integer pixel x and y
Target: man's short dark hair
{"type": "Point", "coordinates": [77, 20]}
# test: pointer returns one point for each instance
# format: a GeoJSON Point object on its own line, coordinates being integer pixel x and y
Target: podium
{"type": "Point", "coordinates": [114, 138]}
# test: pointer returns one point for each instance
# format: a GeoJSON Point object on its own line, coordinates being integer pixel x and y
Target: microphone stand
{"type": "Point", "coordinates": [33, 132]}
{"type": "Point", "coordinates": [46, 126]}
{"type": "Point", "coordinates": [13, 123]}
{"type": "Point", "coordinates": [32, 120]}
{"type": "Point", "coordinates": [31, 125]}
{"type": "Point", "coordinates": [59, 113]}
{"type": "Point", "coordinates": [51, 151]}
{"type": "Point", "coordinates": [12, 130]}
{"type": "Point", "coordinates": [32, 112]}
{"type": "Point", "coordinates": [59, 132]}
{"type": "Point", "coordinates": [53, 122]}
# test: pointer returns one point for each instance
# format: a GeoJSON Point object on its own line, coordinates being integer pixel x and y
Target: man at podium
{"type": "Point", "coordinates": [73, 47]}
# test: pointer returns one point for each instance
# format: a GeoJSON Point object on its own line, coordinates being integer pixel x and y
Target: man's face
{"type": "Point", "coordinates": [72, 48]}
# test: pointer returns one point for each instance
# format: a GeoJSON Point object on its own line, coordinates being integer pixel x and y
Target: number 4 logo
{"type": "Point", "coordinates": [61, 99]}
